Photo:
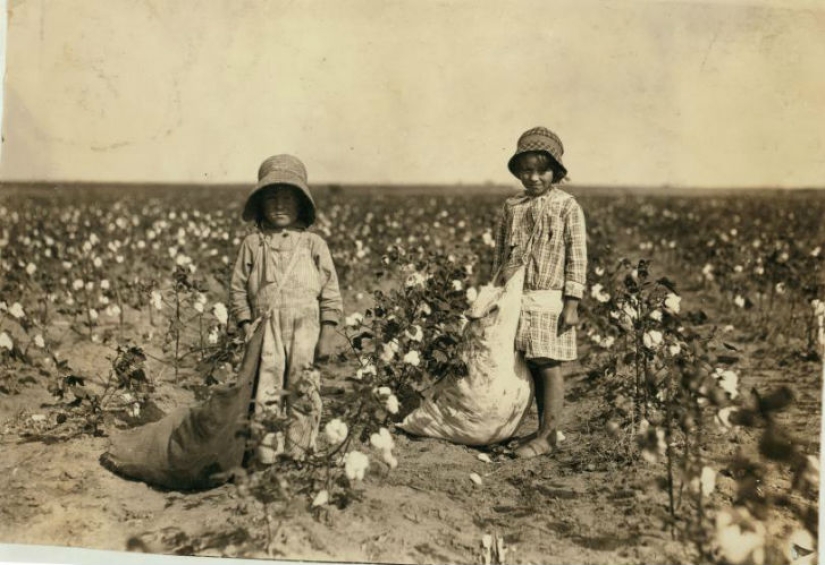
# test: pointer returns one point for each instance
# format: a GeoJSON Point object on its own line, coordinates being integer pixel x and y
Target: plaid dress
{"type": "Point", "coordinates": [556, 259]}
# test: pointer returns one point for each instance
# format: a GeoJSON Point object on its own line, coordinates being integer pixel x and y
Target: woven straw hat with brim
{"type": "Point", "coordinates": [280, 170]}
{"type": "Point", "coordinates": [543, 140]}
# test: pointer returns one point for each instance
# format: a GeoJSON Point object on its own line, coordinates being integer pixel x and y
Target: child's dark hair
{"type": "Point", "coordinates": [546, 162]}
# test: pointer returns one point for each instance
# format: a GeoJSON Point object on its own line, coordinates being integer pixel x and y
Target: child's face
{"type": "Point", "coordinates": [535, 174]}
{"type": "Point", "coordinates": [280, 207]}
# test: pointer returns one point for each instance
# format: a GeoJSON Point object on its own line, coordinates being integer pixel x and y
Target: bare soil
{"type": "Point", "coordinates": [581, 505]}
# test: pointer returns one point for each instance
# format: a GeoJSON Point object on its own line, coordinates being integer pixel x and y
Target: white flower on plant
{"type": "Point", "coordinates": [157, 300]}
{"type": "Point", "coordinates": [119, 259]}
{"type": "Point", "coordinates": [5, 341]}
{"type": "Point", "coordinates": [414, 280]}
{"type": "Point", "coordinates": [739, 301]}
{"type": "Point", "coordinates": [739, 537]}
{"type": "Point", "coordinates": [599, 271]}
{"type": "Point", "coordinates": [412, 358]}
{"type": "Point", "coordinates": [389, 350]}
{"type": "Point", "coordinates": [113, 310]}
{"type": "Point", "coordinates": [424, 309]}
{"type": "Point", "coordinates": [198, 306]}
{"type": "Point", "coordinates": [78, 284]}
{"type": "Point", "coordinates": [321, 499]}
{"type": "Point", "coordinates": [608, 342]}
{"type": "Point", "coordinates": [652, 339]}
{"type": "Point", "coordinates": [707, 271]}
{"type": "Point", "coordinates": [39, 341]}
{"type": "Point", "coordinates": [90, 286]}
{"type": "Point", "coordinates": [17, 311]}
{"type": "Point", "coordinates": [738, 269]}
{"type": "Point", "coordinates": [336, 431]}
{"type": "Point", "coordinates": [367, 369]}
{"type": "Point", "coordinates": [727, 381]}
{"type": "Point", "coordinates": [817, 250]}
{"type": "Point", "coordinates": [384, 391]}
{"type": "Point", "coordinates": [780, 288]}
{"type": "Point", "coordinates": [392, 404]}
{"type": "Point", "coordinates": [355, 465]}
{"type": "Point", "coordinates": [674, 349]}
{"type": "Point", "coordinates": [102, 299]}
{"type": "Point", "coordinates": [644, 425]}
{"type": "Point", "coordinates": [354, 320]}
{"type": "Point", "coordinates": [414, 332]}
{"type": "Point", "coordinates": [704, 483]}
{"type": "Point", "coordinates": [457, 286]}
{"type": "Point", "coordinates": [597, 291]}
{"type": "Point", "coordinates": [629, 311]}
{"type": "Point", "coordinates": [673, 303]}
{"type": "Point", "coordinates": [220, 313]}
{"type": "Point", "coordinates": [31, 268]}
{"type": "Point", "coordinates": [382, 440]}
{"type": "Point", "coordinates": [656, 315]}
{"type": "Point", "coordinates": [93, 314]}
{"type": "Point", "coordinates": [104, 284]}
{"type": "Point", "coordinates": [212, 338]}
{"type": "Point", "coordinates": [97, 262]}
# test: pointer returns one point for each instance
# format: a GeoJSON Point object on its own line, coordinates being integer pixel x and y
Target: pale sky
{"type": "Point", "coordinates": [643, 92]}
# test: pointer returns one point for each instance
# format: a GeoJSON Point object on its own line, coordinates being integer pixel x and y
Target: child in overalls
{"type": "Point", "coordinates": [544, 230]}
{"type": "Point", "coordinates": [284, 284]}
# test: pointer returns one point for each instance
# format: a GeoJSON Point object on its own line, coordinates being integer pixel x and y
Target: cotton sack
{"type": "Point", "coordinates": [487, 405]}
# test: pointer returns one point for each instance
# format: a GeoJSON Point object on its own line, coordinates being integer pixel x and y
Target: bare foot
{"type": "Point", "coordinates": [517, 442]}
{"type": "Point", "coordinates": [538, 446]}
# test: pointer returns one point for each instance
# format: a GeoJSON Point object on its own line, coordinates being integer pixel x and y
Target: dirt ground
{"type": "Point", "coordinates": [579, 506]}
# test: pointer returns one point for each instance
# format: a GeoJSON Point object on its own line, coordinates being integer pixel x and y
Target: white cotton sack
{"type": "Point", "coordinates": [487, 405]}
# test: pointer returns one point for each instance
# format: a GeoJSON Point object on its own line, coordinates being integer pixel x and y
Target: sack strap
{"type": "Point", "coordinates": [293, 260]}
{"type": "Point", "coordinates": [529, 246]}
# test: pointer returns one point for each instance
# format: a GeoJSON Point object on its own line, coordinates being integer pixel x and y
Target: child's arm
{"type": "Point", "coordinates": [575, 265]}
{"type": "Point", "coordinates": [500, 235]}
{"type": "Point", "coordinates": [329, 302]}
{"type": "Point", "coordinates": [239, 306]}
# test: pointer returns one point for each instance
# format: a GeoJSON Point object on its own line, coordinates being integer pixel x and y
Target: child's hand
{"type": "Point", "coordinates": [326, 343]}
{"type": "Point", "coordinates": [569, 314]}
{"type": "Point", "coordinates": [246, 327]}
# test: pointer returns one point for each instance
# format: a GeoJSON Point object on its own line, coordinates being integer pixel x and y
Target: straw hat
{"type": "Point", "coordinates": [543, 140]}
{"type": "Point", "coordinates": [277, 170]}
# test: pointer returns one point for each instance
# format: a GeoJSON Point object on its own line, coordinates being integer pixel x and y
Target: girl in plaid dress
{"type": "Point", "coordinates": [284, 284]}
{"type": "Point", "coordinates": [544, 229]}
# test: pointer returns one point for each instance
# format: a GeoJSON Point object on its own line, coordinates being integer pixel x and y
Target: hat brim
{"type": "Point", "coordinates": [511, 164]}
{"type": "Point", "coordinates": [279, 178]}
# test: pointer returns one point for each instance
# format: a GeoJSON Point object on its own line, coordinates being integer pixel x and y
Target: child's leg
{"type": "Point", "coordinates": [301, 327]}
{"type": "Point", "coordinates": [549, 389]}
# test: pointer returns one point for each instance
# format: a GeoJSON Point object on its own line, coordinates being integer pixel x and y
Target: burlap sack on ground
{"type": "Point", "coordinates": [487, 405]}
{"type": "Point", "coordinates": [193, 447]}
